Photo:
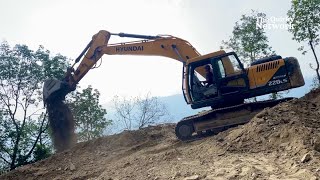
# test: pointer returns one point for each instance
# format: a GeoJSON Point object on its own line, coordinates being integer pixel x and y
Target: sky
{"type": "Point", "coordinates": [66, 27]}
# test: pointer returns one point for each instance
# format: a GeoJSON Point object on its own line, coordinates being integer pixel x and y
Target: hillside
{"type": "Point", "coordinates": [282, 142]}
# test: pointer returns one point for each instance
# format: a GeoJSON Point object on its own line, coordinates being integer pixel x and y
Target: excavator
{"type": "Point", "coordinates": [233, 83]}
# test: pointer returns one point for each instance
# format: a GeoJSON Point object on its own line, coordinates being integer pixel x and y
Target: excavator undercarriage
{"type": "Point", "coordinates": [217, 120]}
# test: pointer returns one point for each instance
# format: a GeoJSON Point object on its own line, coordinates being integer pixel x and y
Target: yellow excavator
{"type": "Point", "coordinates": [231, 81]}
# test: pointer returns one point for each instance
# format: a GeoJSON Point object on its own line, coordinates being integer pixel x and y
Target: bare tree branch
{"type": "Point", "coordinates": [4, 160]}
{"type": "Point", "coordinates": [5, 150]}
{"type": "Point", "coordinates": [37, 139]}
{"type": "Point", "coordinates": [139, 111]}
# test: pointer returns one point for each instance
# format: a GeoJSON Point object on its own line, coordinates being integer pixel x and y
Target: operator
{"type": "Point", "coordinates": [209, 76]}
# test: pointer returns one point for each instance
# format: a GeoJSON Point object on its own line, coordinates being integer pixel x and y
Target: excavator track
{"type": "Point", "coordinates": [217, 120]}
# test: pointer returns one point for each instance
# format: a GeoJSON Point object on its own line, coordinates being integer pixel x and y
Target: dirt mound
{"type": "Point", "coordinates": [279, 143]}
{"type": "Point", "coordinates": [291, 127]}
{"type": "Point", "coordinates": [89, 159]}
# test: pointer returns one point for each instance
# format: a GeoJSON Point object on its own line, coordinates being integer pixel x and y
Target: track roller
{"type": "Point", "coordinates": [184, 130]}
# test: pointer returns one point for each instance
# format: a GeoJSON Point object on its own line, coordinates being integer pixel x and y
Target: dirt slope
{"type": "Point", "coordinates": [282, 142]}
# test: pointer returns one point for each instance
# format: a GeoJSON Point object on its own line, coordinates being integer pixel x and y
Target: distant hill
{"type": "Point", "coordinates": [177, 107]}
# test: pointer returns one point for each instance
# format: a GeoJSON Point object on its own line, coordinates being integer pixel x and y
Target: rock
{"type": "Point", "coordinates": [306, 158]}
{"type": "Point", "coordinates": [72, 167]}
{"type": "Point", "coordinates": [220, 139]}
{"type": "Point", "coordinates": [194, 177]}
{"type": "Point", "coordinates": [316, 144]}
{"type": "Point", "coordinates": [126, 164]}
{"type": "Point", "coordinates": [283, 135]}
{"type": "Point", "coordinates": [176, 175]}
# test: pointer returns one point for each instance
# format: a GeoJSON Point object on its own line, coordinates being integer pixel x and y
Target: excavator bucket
{"type": "Point", "coordinates": [54, 90]}
{"type": "Point", "coordinates": [60, 117]}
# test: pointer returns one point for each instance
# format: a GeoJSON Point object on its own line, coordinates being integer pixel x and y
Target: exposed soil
{"type": "Point", "coordinates": [282, 142]}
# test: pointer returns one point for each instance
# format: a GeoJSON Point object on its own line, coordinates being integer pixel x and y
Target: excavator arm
{"type": "Point", "coordinates": [162, 45]}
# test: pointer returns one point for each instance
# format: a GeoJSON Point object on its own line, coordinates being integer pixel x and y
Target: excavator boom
{"type": "Point", "coordinates": [164, 45]}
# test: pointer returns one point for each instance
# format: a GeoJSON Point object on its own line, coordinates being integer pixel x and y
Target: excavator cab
{"type": "Point", "coordinates": [230, 79]}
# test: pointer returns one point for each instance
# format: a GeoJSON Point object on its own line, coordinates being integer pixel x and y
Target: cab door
{"type": "Point", "coordinates": [230, 82]}
{"type": "Point", "coordinates": [232, 78]}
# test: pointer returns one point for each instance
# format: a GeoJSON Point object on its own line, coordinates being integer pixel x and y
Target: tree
{"type": "Point", "coordinates": [250, 42]}
{"type": "Point", "coordinates": [139, 112]}
{"type": "Point", "coordinates": [278, 95]}
{"type": "Point", "coordinates": [315, 83]}
{"type": "Point", "coordinates": [41, 151]}
{"type": "Point", "coordinates": [23, 119]}
{"type": "Point", "coordinates": [89, 114]}
{"type": "Point", "coordinates": [248, 39]}
{"type": "Point", "coordinates": [305, 23]}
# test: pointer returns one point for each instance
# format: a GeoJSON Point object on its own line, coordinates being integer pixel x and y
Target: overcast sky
{"type": "Point", "coordinates": [67, 26]}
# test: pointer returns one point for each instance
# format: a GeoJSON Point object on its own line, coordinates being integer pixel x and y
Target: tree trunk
{"type": "Point", "coordinates": [15, 151]}
{"type": "Point", "coordinates": [315, 56]}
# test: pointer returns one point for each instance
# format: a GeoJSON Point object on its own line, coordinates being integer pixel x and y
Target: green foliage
{"type": "Point", "coordinates": [305, 15]}
{"type": "Point", "coordinates": [23, 120]}
{"type": "Point", "coordinates": [248, 40]}
{"type": "Point", "coordinates": [89, 114]}
{"type": "Point", "coordinates": [278, 95]}
{"type": "Point", "coordinates": [41, 151]}
{"type": "Point", "coordinates": [305, 21]}
{"type": "Point", "coordinates": [315, 83]}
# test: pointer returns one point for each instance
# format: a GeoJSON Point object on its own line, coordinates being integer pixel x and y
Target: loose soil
{"type": "Point", "coordinates": [282, 142]}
